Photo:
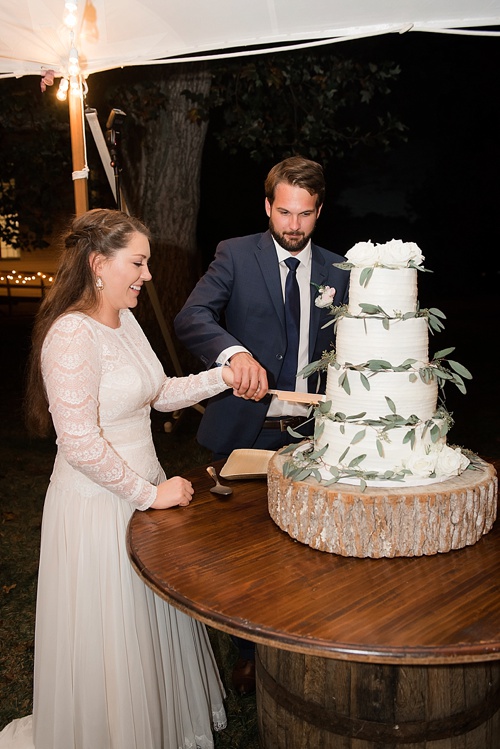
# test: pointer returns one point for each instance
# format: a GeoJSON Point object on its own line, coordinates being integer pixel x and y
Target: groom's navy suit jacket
{"type": "Point", "coordinates": [239, 301]}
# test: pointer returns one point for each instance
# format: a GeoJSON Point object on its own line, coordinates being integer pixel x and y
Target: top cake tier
{"type": "Point", "coordinates": [394, 290]}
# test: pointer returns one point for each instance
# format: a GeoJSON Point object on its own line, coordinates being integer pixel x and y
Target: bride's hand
{"type": "Point", "coordinates": [173, 492]}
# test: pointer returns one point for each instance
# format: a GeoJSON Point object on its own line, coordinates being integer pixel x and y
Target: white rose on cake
{"type": "Point", "coordinates": [451, 461]}
{"type": "Point", "coordinates": [399, 254]}
{"type": "Point", "coordinates": [363, 254]}
{"type": "Point", "coordinates": [421, 464]}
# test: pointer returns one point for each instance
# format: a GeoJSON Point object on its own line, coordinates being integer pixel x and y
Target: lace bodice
{"type": "Point", "coordinates": [101, 384]}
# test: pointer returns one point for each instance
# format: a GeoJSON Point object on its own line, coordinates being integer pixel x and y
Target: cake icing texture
{"type": "Point", "coordinates": [381, 421]}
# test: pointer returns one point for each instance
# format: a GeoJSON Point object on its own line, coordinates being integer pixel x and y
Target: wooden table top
{"type": "Point", "coordinates": [226, 563]}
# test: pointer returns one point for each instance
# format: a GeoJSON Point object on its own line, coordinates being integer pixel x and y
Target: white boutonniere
{"type": "Point", "coordinates": [325, 296]}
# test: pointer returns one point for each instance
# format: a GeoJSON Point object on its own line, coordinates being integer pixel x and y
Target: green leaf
{"type": "Point", "coordinates": [444, 353]}
{"type": "Point", "coordinates": [434, 324]}
{"type": "Point", "coordinates": [303, 474]}
{"type": "Point", "coordinates": [310, 368]}
{"type": "Point", "coordinates": [319, 429]}
{"type": "Point", "coordinates": [365, 275]}
{"type": "Point", "coordinates": [356, 461]}
{"type": "Point", "coordinates": [324, 407]}
{"type": "Point", "coordinates": [435, 433]}
{"type": "Point", "coordinates": [437, 313]}
{"type": "Point", "coordinates": [344, 383]}
{"type": "Point", "coordinates": [380, 448]}
{"type": "Point", "coordinates": [331, 481]}
{"type": "Point", "coordinates": [364, 381]}
{"type": "Point", "coordinates": [343, 454]}
{"type": "Point", "coordinates": [460, 384]}
{"type": "Point", "coordinates": [358, 437]}
{"type": "Point", "coordinates": [460, 369]}
{"type": "Point", "coordinates": [317, 454]}
{"type": "Point", "coordinates": [371, 309]}
{"type": "Point", "coordinates": [391, 404]}
{"type": "Point", "coordinates": [377, 365]}
{"type": "Point", "coordinates": [293, 433]}
{"type": "Point", "coordinates": [409, 437]}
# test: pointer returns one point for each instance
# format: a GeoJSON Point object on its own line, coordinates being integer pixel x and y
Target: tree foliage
{"type": "Point", "coordinates": [311, 102]}
{"type": "Point", "coordinates": [35, 162]}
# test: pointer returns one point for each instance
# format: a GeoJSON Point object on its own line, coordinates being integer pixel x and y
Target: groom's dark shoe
{"type": "Point", "coordinates": [243, 677]}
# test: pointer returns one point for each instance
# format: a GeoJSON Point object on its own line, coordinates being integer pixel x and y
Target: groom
{"type": "Point", "coordinates": [238, 315]}
{"type": "Point", "coordinates": [235, 315]}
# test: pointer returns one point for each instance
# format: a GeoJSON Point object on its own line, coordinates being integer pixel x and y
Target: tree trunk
{"type": "Point", "coordinates": [162, 167]}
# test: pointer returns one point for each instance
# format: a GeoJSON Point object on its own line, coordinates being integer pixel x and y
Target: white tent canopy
{"type": "Point", "coordinates": [117, 33]}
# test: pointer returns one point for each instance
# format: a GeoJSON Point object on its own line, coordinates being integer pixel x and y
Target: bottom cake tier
{"type": "Point", "coordinates": [377, 522]}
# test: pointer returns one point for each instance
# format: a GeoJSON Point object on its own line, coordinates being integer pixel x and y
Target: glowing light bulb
{"type": "Point", "coordinates": [74, 65]}
{"type": "Point", "coordinates": [70, 18]}
{"type": "Point", "coordinates": [63, 89]}
{"type": "Point", "coordinates": [74, 85]}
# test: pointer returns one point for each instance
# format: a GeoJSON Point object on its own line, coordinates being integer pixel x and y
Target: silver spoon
{"type": "Point", "coordinates": [218, 488]}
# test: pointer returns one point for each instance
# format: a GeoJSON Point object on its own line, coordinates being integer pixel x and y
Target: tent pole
{"type": "Point", "coordinates": [80, 169]}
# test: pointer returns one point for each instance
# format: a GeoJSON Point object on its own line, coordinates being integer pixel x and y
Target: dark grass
{"type": "Point", "coordinates": [25, 467]}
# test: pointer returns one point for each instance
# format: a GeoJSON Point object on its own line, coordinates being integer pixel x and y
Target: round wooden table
{"type": "Point", "coordinates": [361, 653]}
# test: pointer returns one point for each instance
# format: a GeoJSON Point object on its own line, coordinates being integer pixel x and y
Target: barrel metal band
{"type": "Point", "coordinates": [401, 733]}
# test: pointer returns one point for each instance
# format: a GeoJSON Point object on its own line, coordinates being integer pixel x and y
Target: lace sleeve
{"type": "Point", "coordinates": [71, 370]}
{"type": "Point", "coordinates": [181, 392]}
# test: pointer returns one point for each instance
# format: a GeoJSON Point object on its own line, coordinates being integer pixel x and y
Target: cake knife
{"type": "Point", "coordinates": [296, 397]}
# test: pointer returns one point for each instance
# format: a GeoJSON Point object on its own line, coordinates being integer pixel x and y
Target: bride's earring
{"type": "Point", "coordinates": [99, 283]}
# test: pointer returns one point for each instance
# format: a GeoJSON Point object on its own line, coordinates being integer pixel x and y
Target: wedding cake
{"type": "Point", "coordinates": [380, 420]}
{"type": "Point", "coordinates": [379, 479]}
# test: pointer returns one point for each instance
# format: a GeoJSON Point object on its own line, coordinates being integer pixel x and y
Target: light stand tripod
{"type": "Point", "coordinates": [113, 139]}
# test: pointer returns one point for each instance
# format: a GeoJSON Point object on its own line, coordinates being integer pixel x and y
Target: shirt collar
{"type": "Point", "coordinates": [304, 256]}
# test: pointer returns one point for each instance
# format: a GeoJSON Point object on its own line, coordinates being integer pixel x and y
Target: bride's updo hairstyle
{"type": "Point", "coordinates": [100, 231]}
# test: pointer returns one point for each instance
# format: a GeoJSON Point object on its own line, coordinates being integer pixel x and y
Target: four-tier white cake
{"type": "Point", "coordinates": [381, 420]}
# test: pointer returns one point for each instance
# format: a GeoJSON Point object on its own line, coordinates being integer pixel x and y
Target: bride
{"type": "Point", "coordinates": [115, 666]}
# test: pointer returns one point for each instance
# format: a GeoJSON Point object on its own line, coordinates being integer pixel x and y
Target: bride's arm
{"type": "Point", "coordinates": [72, 370]}
{"type": "Point", "coordinates": [182, 392]}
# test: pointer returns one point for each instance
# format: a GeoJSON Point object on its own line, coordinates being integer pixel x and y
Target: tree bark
{"type": "Point", "coordinates": [162, 167]}
{"type": "Point", "coordinates": [392, 521]}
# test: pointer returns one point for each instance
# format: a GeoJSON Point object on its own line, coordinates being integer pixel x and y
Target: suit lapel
{"type": "Point", "coordinates": [319, 275]}
{"type": "Point", "coordinates": [265, 254]}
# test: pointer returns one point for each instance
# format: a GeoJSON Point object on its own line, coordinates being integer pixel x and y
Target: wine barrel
{"type": "Point", "coordinates": [321, 703]}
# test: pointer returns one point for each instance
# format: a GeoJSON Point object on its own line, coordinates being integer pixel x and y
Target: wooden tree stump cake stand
{"type": "Point", "coordinates": [400, 521]}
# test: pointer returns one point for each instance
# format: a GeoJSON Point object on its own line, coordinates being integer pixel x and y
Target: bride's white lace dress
{"type": "Point", "coordinates": [115, 666]}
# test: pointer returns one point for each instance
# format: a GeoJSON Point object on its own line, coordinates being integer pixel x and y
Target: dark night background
{"type": "Point", "coordinates": [440, 189]}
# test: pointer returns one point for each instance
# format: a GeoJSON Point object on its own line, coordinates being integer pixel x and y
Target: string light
{"type": "Point", "coordinates": [71, 79]}
{"type": "Point", "coordinates": [70, 18]}
{"type": "Point", "coordinates": [34, 280]}
{"type": "Point", "coordinates": [74, 64]}
{"type": "Point", "coordinates": [62, 92]}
